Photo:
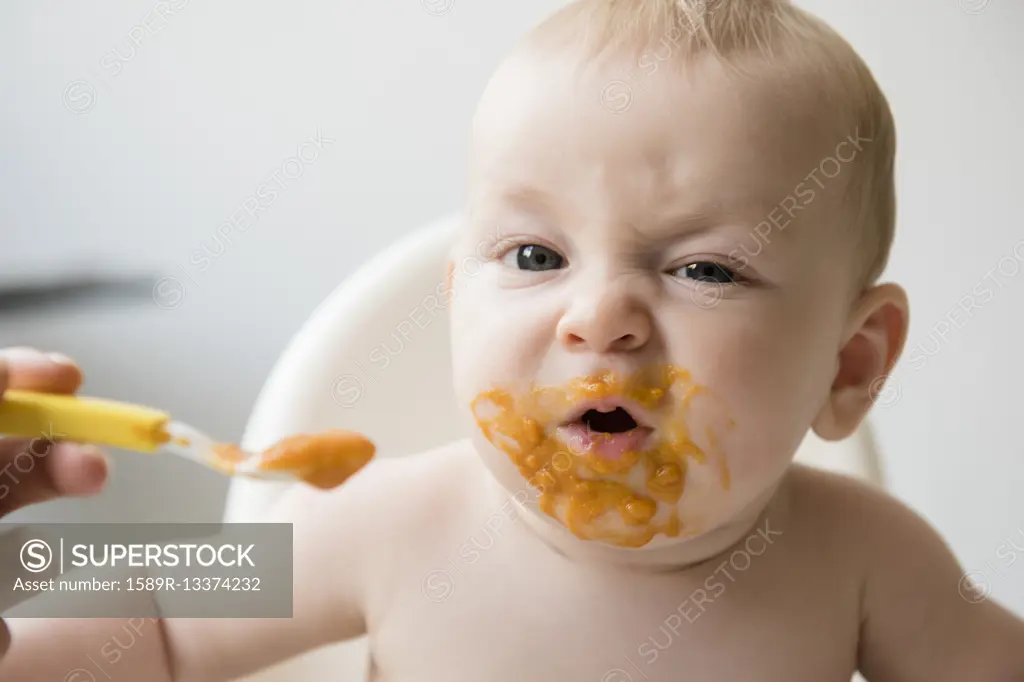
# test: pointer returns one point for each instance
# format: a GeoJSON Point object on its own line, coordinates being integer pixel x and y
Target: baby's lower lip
{"type": "Point", "coordinates": [583, 441]}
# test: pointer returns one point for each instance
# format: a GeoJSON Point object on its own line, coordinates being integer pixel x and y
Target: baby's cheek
{"type": "Point", "coordinates": [774, 386]}
{"type": "Point", "coordinates": [497, 338]}
{"type": "Point", "coordinates": [470, 333]}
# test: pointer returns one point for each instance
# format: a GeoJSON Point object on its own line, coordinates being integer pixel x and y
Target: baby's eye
{"type": "Point", "coordinates": [708, 271]}
{"type": "Point", "coordinates": [533, 257]}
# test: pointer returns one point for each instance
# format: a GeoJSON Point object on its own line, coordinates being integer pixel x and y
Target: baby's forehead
{"type": "Point", "coordinates": [687, 96]}
{"type": "Point", "coordinates": [689, 143]}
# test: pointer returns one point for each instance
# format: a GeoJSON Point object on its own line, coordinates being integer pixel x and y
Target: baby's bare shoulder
{"type": "Point", "coordinates": [920, 616]}
{"type": "Point", "coordinates": [418, 492]}
{"type": "Point", "coordinates": [866, 525]}
{"type": "Point", "coordinates": [853, 526]}
{"type": "Point", "coordinates": [865, 538]}
{"type": "Point", "coordinates": [402, 496]}
{"type": "Point", "coordinates": [365, 536]}
{"type": "Point", "coordinates": [843, 505]}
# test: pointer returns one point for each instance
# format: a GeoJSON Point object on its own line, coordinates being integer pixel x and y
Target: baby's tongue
{"type": "Point", "coordinates": [583, 440]}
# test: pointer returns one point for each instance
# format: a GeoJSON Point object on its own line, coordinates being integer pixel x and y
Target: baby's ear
{"type": "Point", "coordinates": [877, 331]}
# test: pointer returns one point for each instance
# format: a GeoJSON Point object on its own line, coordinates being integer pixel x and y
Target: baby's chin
{"type": "Point", "coordinates": [704, 509]}
{"type": "Point", "coordinates": [612, 529]}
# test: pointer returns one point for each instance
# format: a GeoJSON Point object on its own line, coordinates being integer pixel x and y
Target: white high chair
{"type": "Point", "coordinates": [327, 378]}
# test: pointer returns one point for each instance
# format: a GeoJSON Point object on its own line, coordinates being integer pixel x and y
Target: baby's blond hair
{"type": "Point", "coordinates": [757, 37]}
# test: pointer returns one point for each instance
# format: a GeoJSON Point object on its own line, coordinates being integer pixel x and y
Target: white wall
{"type": "Point", "coordinates": [137, 170]}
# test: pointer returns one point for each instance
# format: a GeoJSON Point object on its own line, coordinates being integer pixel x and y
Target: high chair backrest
{"type": "Point", "coordinates": [374, 357]}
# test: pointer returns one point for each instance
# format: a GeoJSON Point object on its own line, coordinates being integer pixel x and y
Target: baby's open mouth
{"type": "Point", "coordinates": [607, 429]}
{"type": "Point", "coordinates": [618, 420]}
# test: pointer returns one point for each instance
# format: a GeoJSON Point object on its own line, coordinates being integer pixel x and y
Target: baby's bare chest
{"type": "Point", "coordinates": [502, 607]}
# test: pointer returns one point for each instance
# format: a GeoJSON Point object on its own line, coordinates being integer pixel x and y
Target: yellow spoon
{"type": "Point", "coordinates": [324, 460]}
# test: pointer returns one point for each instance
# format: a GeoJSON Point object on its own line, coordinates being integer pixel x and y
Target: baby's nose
{"type": "Point", "coordinates": [613, 323]}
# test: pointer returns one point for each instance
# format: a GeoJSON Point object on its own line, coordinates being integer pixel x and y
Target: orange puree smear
{"type": "Point", "coordinates": [324, 460]}
{"type": "Point", "coordinates": [588, 494]}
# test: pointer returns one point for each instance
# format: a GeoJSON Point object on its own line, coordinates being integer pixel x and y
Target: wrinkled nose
{"type": "Point", "coordinates": [611, 322]}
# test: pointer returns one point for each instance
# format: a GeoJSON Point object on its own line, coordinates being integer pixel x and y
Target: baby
{"type": "Point", "coordinates": [682, 211]}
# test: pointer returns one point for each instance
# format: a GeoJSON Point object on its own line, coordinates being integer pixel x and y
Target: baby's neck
{"type": "Point", "coordinates": [674, 557]}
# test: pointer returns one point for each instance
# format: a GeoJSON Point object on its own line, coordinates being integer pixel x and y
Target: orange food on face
{"type": "Point", "coordinates": [665, 481]}
{"type": "Point", "coordinates": [589, 494]}
{"type": "Point", "coordinates": [637, 510]}
{"type": "Point", "coordinates": [324, 460]}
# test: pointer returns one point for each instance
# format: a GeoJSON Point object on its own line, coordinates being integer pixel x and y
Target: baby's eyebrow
{"type": "Point", "coordinates": [744, 213]}
{"type": "Point", "coordinates": [685, 226]}
{"type": "Point", "coordinates": [680, 224]}
{"type": "Point", "coordinates": [683, 221]}
{"type": "Point", "coordinates": [529, 197]}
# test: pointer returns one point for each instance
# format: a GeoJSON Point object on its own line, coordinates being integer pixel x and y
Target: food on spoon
{"type": "Point", "coordinates": [324, 460]}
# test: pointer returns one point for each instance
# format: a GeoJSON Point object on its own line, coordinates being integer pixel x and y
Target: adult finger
{"type": "Point", "coordinates": [5, 638]}
{"type": "Point", "coordinates": [32, 370]}
{"type": "Point", "coordinates": [38, 470]}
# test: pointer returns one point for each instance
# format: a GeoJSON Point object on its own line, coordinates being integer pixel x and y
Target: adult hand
{"type": "Point", "coordinates": [40, 469]}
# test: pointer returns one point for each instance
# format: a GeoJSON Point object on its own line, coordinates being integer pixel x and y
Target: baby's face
{"type": "Point", "coordinates": [631, 354]}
